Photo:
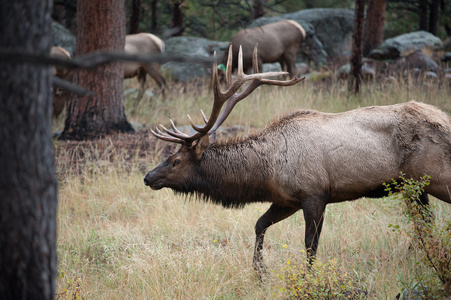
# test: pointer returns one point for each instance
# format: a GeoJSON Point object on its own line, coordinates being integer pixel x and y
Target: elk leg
{"type": "Point", "coordinates": [274, 214]}
{"type": "Point", "coordinates": [154, 72]}
{"type": "Point", "coordinates": [314, 216]}
{"type": "Point", "coordinates": [142, 81]}
{"type": "Point", "coordinates": [426, 213]}
{"type": "Point", "coordinates": [289, 61]}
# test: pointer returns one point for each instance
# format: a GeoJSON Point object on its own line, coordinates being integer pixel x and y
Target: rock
{"type": "Point", "coordinates": [329, 31]}
{"type": "Point", "coordinates": [367, 71]}
{"type": "Point", "coordinates": [302, 68]}
{"type": "Point", "coordinates": [446, 46]}
{"type": "Point", "coordinates": [63, 37]}
{"type": "Point", "coordinates": [136, 126]}
{"type": "Point", "coordinates": [420, 60]}
{"type": "Point", "coordinates": [190, 47]}
{"type": "Point", "coordinates": [431, 74]}
{"type": "Point", "coordinates": [405, 44]}
{"type": "Point", "coordinates": [446, 57]}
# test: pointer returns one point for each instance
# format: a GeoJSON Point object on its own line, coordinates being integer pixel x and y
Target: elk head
{"type": "Point", "coordinates": [182, 171]}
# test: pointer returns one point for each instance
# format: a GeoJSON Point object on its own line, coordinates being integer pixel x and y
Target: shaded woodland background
{"type": "Point", "coordinates": [219, 20]}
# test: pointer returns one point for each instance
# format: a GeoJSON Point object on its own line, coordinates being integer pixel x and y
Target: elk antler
{"type": "Point", "coordinates": [230, 98]}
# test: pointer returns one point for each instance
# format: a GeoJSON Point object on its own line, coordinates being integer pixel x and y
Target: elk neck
{"type": "Point", "coordinates": [235, 173]}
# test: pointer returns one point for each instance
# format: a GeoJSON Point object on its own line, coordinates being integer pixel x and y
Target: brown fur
{"type": "Point", "coordinates": [277, 42]}
{"type": "Point", "coordinates": [143, 43]}
{"type": "Point", "coordinates": [308, 159]}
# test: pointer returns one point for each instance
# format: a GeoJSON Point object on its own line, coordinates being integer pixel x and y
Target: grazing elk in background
{"type": "Point", "coordinates": [306, 159]}
{"type": "Point", "coordinates": [277, 42]}
{"type": "Point", "coordinates": [143, 43]}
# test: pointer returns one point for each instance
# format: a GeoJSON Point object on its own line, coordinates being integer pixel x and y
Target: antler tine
{"type": "Point", "coordinates": [229, 67]}
{"type": "Point", "coordinates": [257, 80]}
{"type": "Point", "coordinates": [174, 128]}
{"type": "Point", "coordinates": [160, 135]}
{"type": "Point", "coordinates": [204, 116]}
{"type": "Point", "coordinates": [255, 59]}
{"type": "Point", "coordinates": [177, 134]}
{"type": "Point", "coordinates": [240, 62]}
{"type": "Point", "coordinates": [230, 98]}
{"type": "Point", "coordinates": [292, 81]}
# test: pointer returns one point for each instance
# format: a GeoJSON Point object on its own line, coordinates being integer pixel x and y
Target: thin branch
{"type": "Point", "coordinates": [76, 89]}
{"type": "Point", "coordinates": [95, 59]}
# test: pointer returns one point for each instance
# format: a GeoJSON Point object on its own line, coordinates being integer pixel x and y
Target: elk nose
{"type": "Point", "coordinates": [146, 182]}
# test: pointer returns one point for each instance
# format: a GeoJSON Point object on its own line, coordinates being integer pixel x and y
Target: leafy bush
{"type": "Point", "coordinates": [318, 281]}
{"type": "Point", "coordinates": [433, 240]}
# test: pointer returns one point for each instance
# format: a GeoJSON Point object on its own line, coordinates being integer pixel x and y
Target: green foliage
{"type": "Point", "coordinates": [433, 241]}
{"type": "Point", "coordinates": [70, 287]}
{"type": "Point", "coordinates": [319, 281]}
{"type": "Point", "coordinates": [219, 20]}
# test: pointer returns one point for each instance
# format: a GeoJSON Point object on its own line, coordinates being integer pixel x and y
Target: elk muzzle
{"type": "Point", "coordinates": [152, 180]}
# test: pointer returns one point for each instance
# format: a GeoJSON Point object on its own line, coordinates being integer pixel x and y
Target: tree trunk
{"type": "Point", "coordinates": [101, 26]}
{"type": "Point", "coordinates": [356, 60]}
{"type": "Point", "coordinates": [64, 13]}
{"type": "Point", "coordinates": [177, 18]}
{"type": "Point", "coordinates": [446, 12]}
{"type": "Point", "coordinates": [423, 14]}
{"type": "Point", "coordinates": [28, 186]}
{"type": "Point", "coordinates": [433, 16]}
{"type": "Point", "coordinates": [259, 8]}
{"type": "Point", "coordinates": [135, 16]}
{"type": "Point", "coordinates": [373, 34]}
{"type": "Point", "coordinates": [153, 14]}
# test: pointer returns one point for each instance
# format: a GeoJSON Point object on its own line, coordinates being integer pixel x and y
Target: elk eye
{"type": "Point", "coordinates": [176, 162]}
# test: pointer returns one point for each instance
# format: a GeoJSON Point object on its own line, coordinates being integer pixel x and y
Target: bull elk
{"type": "Point", "coordinates": [306, 159]}
{"type": "Point", "coordinates": [277, 42]}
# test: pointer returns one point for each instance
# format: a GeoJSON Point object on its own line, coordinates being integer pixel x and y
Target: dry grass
{"type": "Point", "coordinates": [118, 239]}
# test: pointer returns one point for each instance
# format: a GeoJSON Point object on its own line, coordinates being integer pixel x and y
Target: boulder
{"type": "Point", "coordinates": [405, 44]}
{"type": "Point", "coordinates": [367, 71]}
{"type": "Point", "coordinates": [329, 31]}
{"type": "Point", "coordinates": [190, 47]}
{"type": "Point", "coordinates": [62, 37]}
{"type": "Point", "coordinates": [446, 57]}
{"type": "Point", "coordinates": [420, 60]}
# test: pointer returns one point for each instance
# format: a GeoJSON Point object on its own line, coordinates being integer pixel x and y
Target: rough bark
{"type": "Point", "coordinates": [28, 186]}
{"type": "Point", "coordinates": [64, 12]}
{"type": "Point", "coordinates": [101, 27]}
{"type": "Point", "coordinates": [259, 8]}
{"type": "Point", "coordinates": [423, 14]}
{"type": "Point", "coordinates": [153, 14]}
{"type": "Point", "coordinates": [177, 18]}
{"type": "Point", "coordinates": [433, 16]}
{"type": "Point", "coordinates": [373, 34]}
{"type": "Point", "coordinates": [356, 60]}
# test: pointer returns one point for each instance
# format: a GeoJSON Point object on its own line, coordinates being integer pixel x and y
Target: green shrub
{"type": "Point", "coordinates": [319, 281]}
{"type": "Point", "coordinates": [432, 240]}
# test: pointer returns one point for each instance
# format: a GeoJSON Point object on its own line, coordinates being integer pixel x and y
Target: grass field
{"type": "Point", "coordinates": [117, 239]}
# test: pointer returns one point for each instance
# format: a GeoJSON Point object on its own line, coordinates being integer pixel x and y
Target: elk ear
{"type": "Point", "coordinates": [201, 145]}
